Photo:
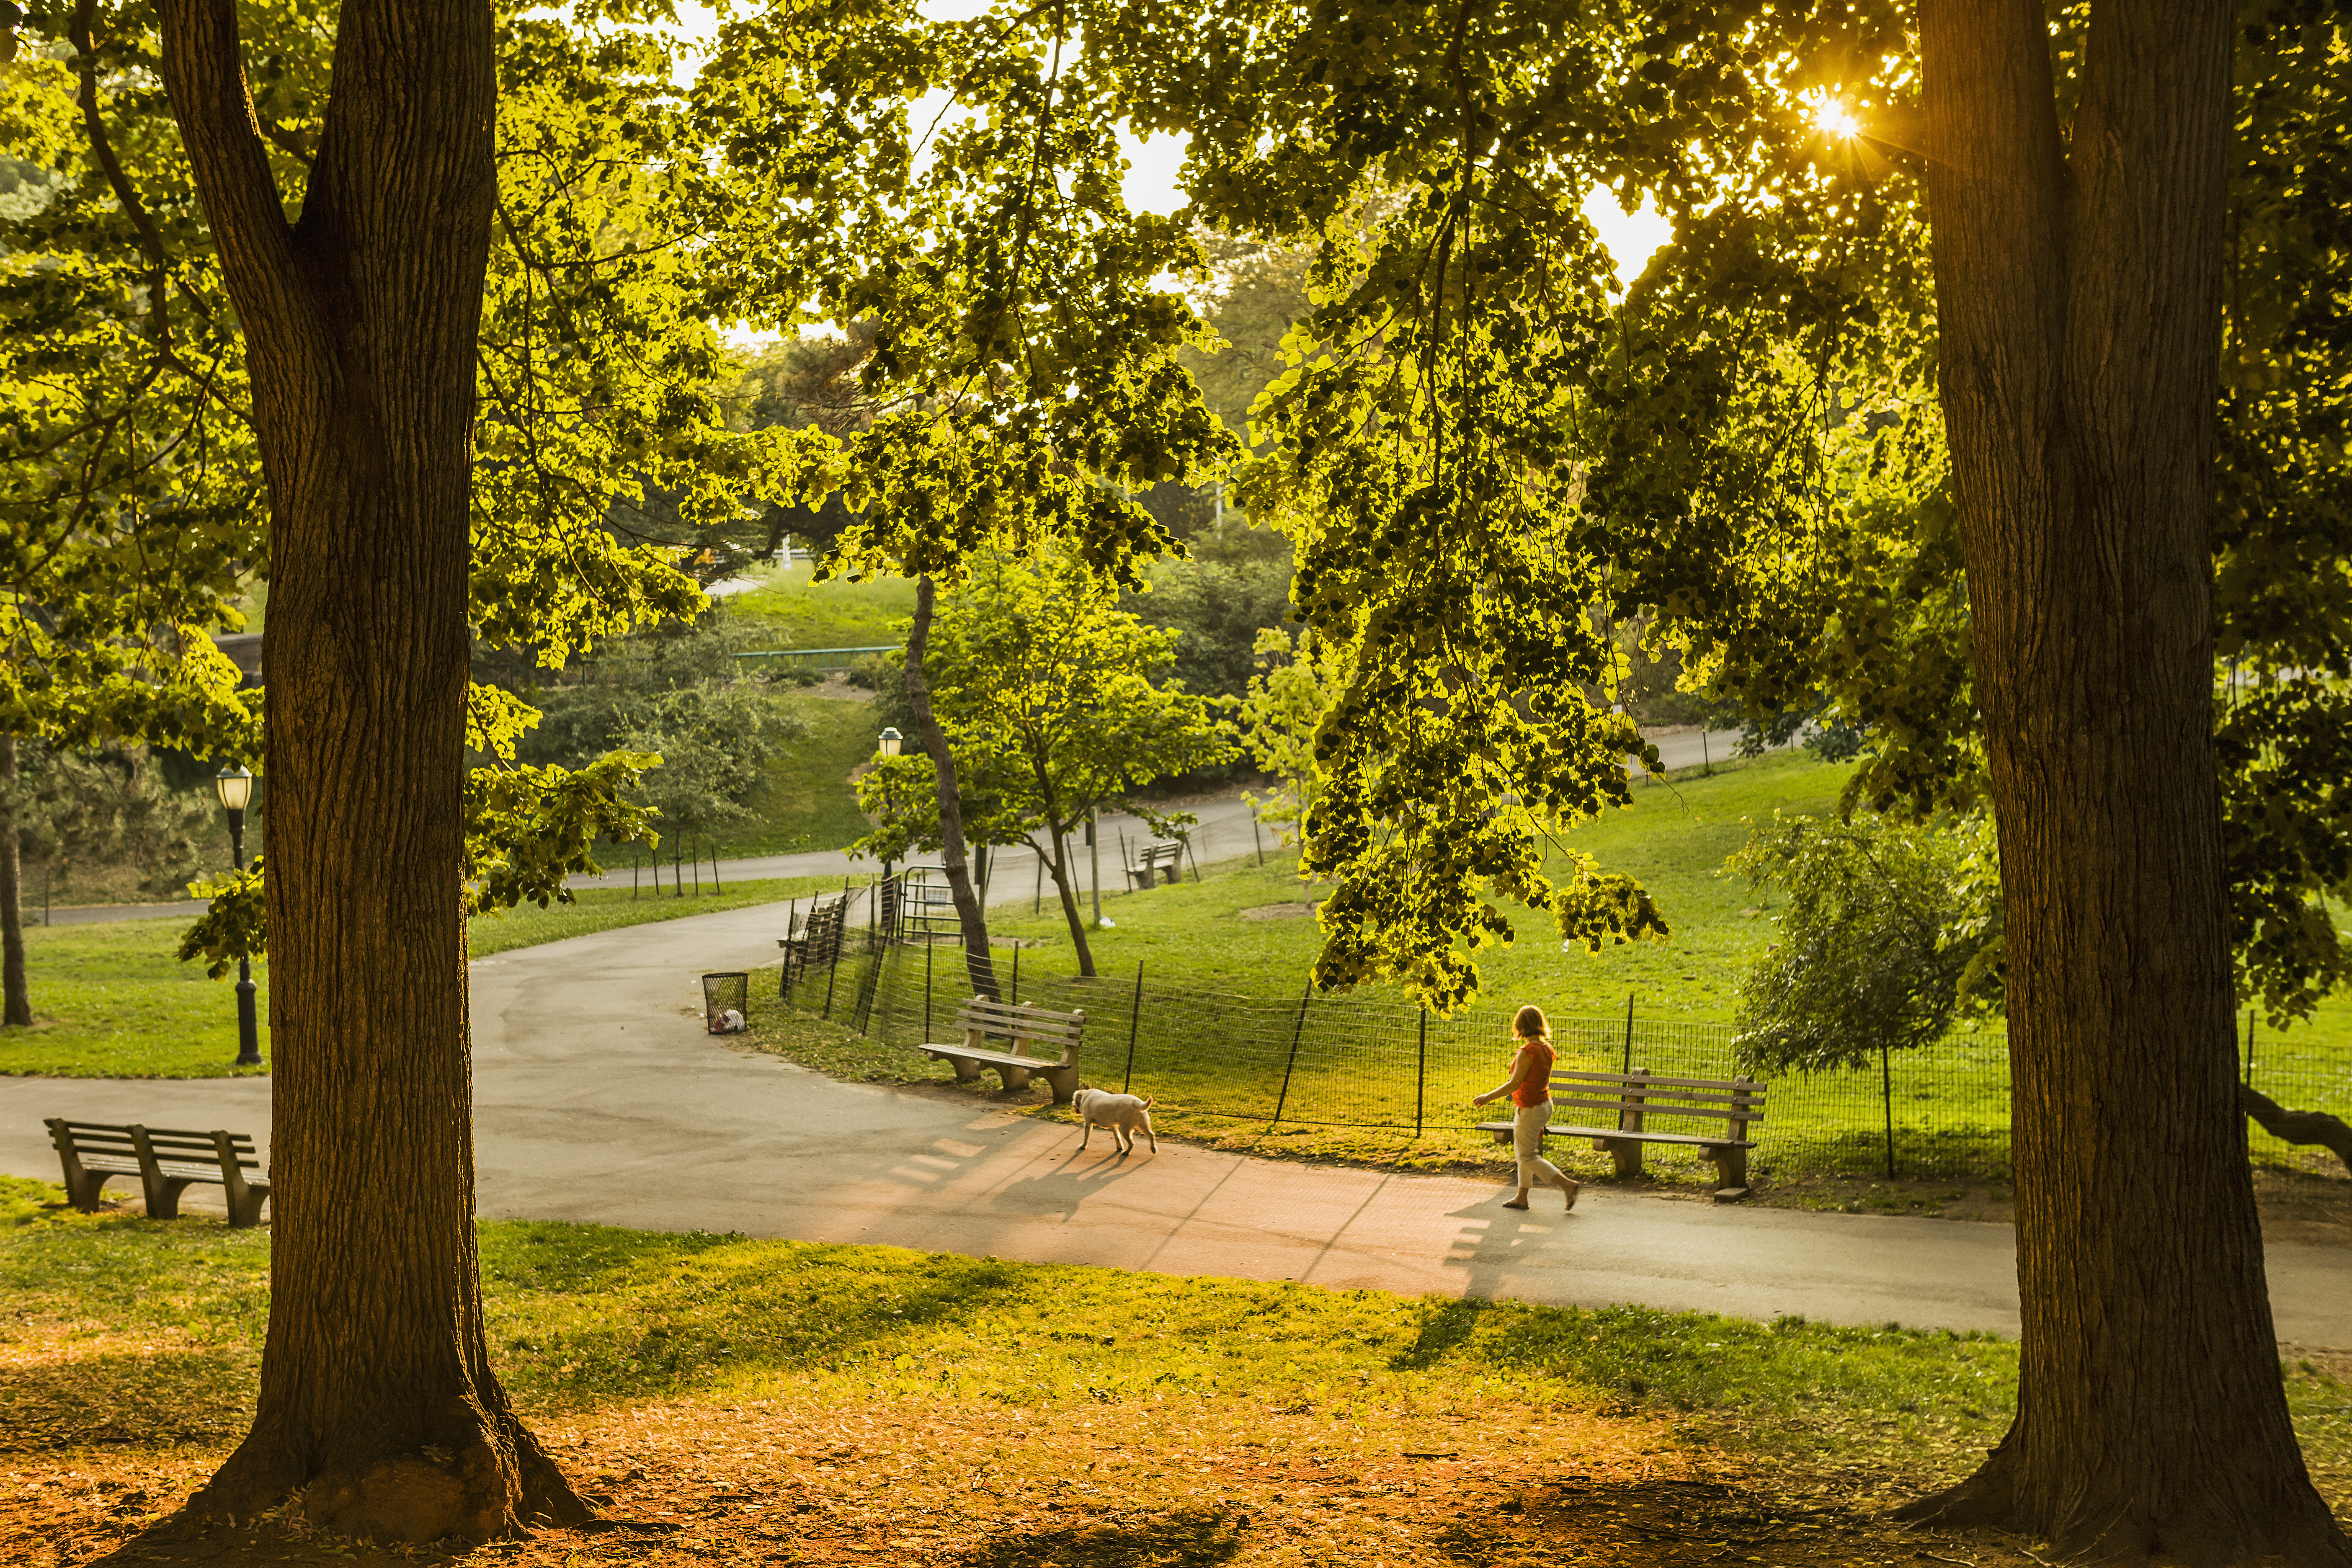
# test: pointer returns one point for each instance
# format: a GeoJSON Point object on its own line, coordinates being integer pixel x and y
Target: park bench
{"type": "Point", "coordinates": [1638, 1096]}
{"type": "Point", "coordinates": [811, 939]}
{"type": "Point", "coordinates": [166, 1162]}
{"type": "Point", "coordinates": [981, 1018]}
{"type": "Point", "coordinates": [1156, 861]}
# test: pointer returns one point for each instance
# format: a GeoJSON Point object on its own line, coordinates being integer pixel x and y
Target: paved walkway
{"type": "Point", "coordinates": [599, 1096]}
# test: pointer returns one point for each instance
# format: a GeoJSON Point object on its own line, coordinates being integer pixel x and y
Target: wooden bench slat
{"type": "Point", "coordinates": [1660, 1108]}
{"type": "Point", "coordinates": [1700, 1139]}
{"type": "Point", "coordinates": [1648, 1137]}
{"type": "Point", "coordinates": [1631, 1079]}
{"type": "Point", "coordinates": [1027, 1031]}
{"type": "Point", "coordinates": [1657, 1096]}
{"type": "Point", "coordinates": [997, 1023]}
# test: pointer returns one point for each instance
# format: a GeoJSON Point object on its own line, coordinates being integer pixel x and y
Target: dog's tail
{"type": "Point", "coordinates": [1147, 1105]}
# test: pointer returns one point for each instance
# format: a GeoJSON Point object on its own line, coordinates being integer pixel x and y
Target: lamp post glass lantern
{"type": "Point", "coordinates": [887, 746]}
{"type": "Point", "coordinates": [236, 789]}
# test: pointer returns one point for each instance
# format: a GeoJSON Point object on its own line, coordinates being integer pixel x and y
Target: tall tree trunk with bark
{"type": "Point", "coordinates": [377, 1402]}
{"type": "Point", "coordinates": [2078, 283]}
{"type": "Point", "coordinates": [971, 919]}
{"type": "Point", "coordinates": [16, 994]}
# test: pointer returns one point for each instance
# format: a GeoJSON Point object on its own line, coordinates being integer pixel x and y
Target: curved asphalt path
{"type": "Point", "coordinates": [599, 1096]}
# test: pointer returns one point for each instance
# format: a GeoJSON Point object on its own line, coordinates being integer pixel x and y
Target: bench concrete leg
{"type": "Point", "coordinates": [87, 1189]}
{"type": "Point", "coordinates": [1014, 1078]}
{"type": "Point", "coordinates": [244, 1212]}
{"type": "Point", "coordinates": [1730, 1168]}
{"type": "Point", "coordinates": [966, 1071]}
{"type": "Point", "coordinates": [164, 1197]}
{"type": "Point", "coordinates": [1064, 1082]}
{"type": "Point", "coordinates": [1628, 1154]}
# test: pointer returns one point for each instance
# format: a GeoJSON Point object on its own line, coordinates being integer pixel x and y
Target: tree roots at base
{"type": "Point", "coordinates": [2102, 1529]}
{"type": "Point", "coordinates": [482, 1492]}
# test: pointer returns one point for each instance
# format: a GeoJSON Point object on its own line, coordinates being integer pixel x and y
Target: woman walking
{"type": "Point", "coordinates": [1530, 1091]}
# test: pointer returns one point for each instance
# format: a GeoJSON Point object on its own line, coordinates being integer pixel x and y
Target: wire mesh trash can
{"type": "Point", "coordinates": [725, 1001]}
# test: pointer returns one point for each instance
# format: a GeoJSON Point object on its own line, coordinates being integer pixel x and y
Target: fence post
{"type": "Point", "coordinates": [1188, 855]}
{"type": "Point", "coordinates": [833, 974]}
{"type": "Point", "coordinates": [1296, 1030]}
{"type": "Point", "coordinates": [2249, 1047]}
{"type": "Point", "coordinates": [1629, 1031]}
{"type": "Point", "coordinates": [784, 970]}
{"type": "Point", "coordinates": [1257, 839]}
{"type": "Point", "coordinates": [928, 945]}
{"type": "Point", "coordinates": [1016, 977]}
{"type": "Point", "coordinates": [1886, 1092]}
{"type": "Point", "coordinates": [1134, 1021]}
{"type": "Point", "coordinates": [1420, 1071]}
{"type": "Point", "coordinates": [867, 993]}
{"type": "Point", "coordinates": [1037, 893]}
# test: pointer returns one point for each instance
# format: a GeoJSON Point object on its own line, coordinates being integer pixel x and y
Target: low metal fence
{"type": "Point", "coordinates": [1378, 1062]}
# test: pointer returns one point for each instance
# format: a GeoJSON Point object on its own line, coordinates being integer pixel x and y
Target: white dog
{"type": "Point", "coordinates": [1122, 1113]}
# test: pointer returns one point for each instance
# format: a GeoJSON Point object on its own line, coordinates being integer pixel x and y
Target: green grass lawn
{"type": "Point", "coordinates": [1674, 838]}
{"type": "Point", "coordinates": [111, 1001]}
{"type": "Point", "coordinates": [585, 1317]}
{"type": "Point", "coordinates": [798, 613]}
{"type": "Point", "coordinates": [1223, 1043]}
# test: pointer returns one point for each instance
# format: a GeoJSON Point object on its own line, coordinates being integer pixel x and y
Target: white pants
{"type": "Point", "coordinates": [1527, 1141]}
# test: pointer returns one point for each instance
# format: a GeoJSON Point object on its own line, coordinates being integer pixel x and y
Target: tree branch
{"type": "Point", "coordinates": [203, 72]}
{"type": "Point", "coordinates": [100, 145]}
{"type": "Point", "coordinates": [2298, 1126]}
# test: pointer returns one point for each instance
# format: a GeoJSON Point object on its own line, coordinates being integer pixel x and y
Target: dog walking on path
{"type": "Point", "coordinates": [1124, 1115]}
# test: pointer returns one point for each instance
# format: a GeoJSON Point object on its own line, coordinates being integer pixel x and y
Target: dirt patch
{"type": "Point", "coordinates": [781, 1481]}
{"type": "Point", "coordinates": [835, 688]}
{"type": "Point", "coordinates": [1278, 912]}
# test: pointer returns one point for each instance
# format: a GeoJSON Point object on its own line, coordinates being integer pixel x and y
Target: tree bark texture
{"type": "Point", "coordinates": [2078, 283]}
{"type": "Point", "coordinates": [16, 993]}
{"type": "Point", "coordinates": [971, 919]}
{"type": "Point", "coordinates": [377, 1402]}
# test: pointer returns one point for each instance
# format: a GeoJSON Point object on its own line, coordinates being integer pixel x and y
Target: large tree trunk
{"type": "Point", "coordinates": [2079, 306]}
{"type": "Point", "coordinates": [377, 1402]}
{"type": "Point", "coordinates": [971, 919]}
{"type": "Point", "coordinates": [15, 996]}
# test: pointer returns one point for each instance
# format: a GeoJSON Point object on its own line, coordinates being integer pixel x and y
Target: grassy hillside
{"type": "Point", "coordinates": [797, 612]}
{"type": "Point", "coordinates": [808, 802]}
{"type": "Point", "coordinates": [1674, 838]}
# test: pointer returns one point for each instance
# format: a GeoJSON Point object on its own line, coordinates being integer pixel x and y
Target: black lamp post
{"type": "Point", "coordinates": [235, 786]}
{"type": "Point", "coordinates": [888, 746]}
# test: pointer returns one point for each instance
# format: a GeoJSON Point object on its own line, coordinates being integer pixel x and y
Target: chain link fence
{"type": "Point", "coordinates": [1378, 1062]}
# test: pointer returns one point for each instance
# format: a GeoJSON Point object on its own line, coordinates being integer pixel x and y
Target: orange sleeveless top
{"type": "Point", "coordinates": [1523, 1093]}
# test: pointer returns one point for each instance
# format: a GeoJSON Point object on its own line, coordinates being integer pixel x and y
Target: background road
{"type": "Point", "coordinates": [599, 1096]}
{"type": "Point", "coordinates": [1225, 831]}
